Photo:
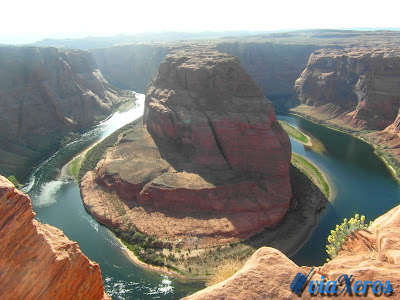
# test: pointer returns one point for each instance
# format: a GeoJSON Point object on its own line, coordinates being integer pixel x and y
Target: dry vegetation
{"type": "Point", "coordinates": [226, 269]}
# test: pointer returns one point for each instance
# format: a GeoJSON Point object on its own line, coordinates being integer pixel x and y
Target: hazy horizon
{"type": "Point", "coordinates": [25, 22]}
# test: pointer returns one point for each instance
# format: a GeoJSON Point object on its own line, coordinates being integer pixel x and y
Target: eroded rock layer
{"type": "Point", "coordinates": [356, 87]}
{"type": "Point", "coordinates": [38, 261]}
{"type": "Point", "coordinates": [211, 165]}
{"type": "Point", "coordinates": [45, 94]}
{"type": "Point", "coordinates": [372, 256]}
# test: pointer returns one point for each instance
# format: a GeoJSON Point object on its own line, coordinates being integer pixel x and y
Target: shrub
{"type": "Point", "coordinates": [158, 261]}
{"type": "Point", "coordinates": [14, 181]}
{"type": "Point", "coordinates": [138, 238]}
{"type": "Point", "coordinates": [338, 236]}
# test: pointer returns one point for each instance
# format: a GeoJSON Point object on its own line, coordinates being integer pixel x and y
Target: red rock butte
{"type": "Point", "coordinates": [37, 260]}
{"type": "Point", "coordinates": [210, 165]}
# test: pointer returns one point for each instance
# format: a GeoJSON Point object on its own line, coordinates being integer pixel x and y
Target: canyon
{"type": "Point", "coordinates": [45, 95]}
{"type": "Point", "coordinates": [192, 186]}
{"type": "Point", "coordinates": [38, 261]}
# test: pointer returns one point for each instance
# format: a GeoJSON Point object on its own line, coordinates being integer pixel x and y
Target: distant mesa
{"type": "Point", "coordinates": [209, 166]}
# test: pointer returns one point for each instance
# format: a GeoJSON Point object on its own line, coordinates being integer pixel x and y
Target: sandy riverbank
{"type": "Point", "coordinates": [161, 270]}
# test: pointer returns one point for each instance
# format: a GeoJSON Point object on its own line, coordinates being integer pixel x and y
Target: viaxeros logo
{"type": "Point", "coordinates": [344, 284]}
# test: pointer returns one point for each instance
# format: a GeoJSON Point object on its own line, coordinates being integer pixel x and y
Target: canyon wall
{"type": "Point", "coordinates": [274, 67]}
{"type": "Point", "coordinates": [130, 67]}
{"type": "Point", "coordinates": [369, 255]}
{"type": "Point", "coordinates": [37, 260]}
{"type": "Point", "coordinates": [45, 94]}
{"type": "Point", "coordinates": [356, 87]}
{"type": "Point", "coordinates": [211, 164]}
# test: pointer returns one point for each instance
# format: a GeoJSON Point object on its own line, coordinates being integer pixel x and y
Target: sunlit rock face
{"type": "Point", "coordinates": [37, 260]}
{"type": "Point", "coordinates": [358, 87]}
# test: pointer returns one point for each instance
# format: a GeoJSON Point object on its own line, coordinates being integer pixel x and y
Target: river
{"type": "Point", "coordinates": [56, 200]}
{"type": "Point", "coordinates": [360, 181]}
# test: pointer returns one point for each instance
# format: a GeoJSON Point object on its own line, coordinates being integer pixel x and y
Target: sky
{"type": "Point", "coordinates": [24, 21]}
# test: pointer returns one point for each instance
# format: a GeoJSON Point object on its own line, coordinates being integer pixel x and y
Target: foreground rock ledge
{"type": "Point", "coordinates": [38, 261]}
{"type": "Point", "coordinates": [211, 164]}
{"type": "Point", "coordinates": [369, 256]}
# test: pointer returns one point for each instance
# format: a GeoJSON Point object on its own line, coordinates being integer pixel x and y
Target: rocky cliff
{"type": "Point", "coordinates": [372, 256]}
{"type": "Point", "coordinates": [37, 260]}
{"type": "Point", "coordinates": [274, 66]}
{"type": "Point", "coordinates": [274, 60]}
{"type": "Point", "coordinates": [355, 87]}
{"type": "Point", "coordinates": [45, 94]}
{"type": "Point", "coordinates": [210, 167]}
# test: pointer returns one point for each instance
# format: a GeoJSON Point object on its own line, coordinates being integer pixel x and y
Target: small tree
{"type": "Point", "coordinates": [338, 236]}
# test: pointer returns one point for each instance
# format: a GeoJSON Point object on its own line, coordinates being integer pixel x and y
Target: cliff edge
{"type": "Point", "coordinates": [37, 260]}
{"type": "Point", "coordinates": [371, 255]}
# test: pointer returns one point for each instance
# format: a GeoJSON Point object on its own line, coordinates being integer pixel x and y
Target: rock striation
{"type": "Point", "coordinates": [37, 260]}
{"type": "Point", "coordinates": [211, 164]}
{"type": "Point", "coordinates": [367, 255]}
{"type": "Point", "coordinates": [355, 87]}
{"type": "Point", "coordinates": [45, 94]}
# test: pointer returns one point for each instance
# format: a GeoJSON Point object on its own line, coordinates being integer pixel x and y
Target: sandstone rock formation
{"type": "Point", "coordinates": [357, 87]}
{"type": "Point", "coordinates": [266, 275]}
{"type": "Point", "coordinates": [38, 261]}
{"type": "Point", "coordinates": [45, 94]}
{"type": "Point", "coordinates": [368, 256]}
{"type": "Point", "coordinates": [211, 166]}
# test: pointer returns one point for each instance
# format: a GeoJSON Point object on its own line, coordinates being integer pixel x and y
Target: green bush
{"type": "Point", "coordinates": [14, 181]}
{"type": "Point", "coordinates": [338, 236]}
{"type": "Point", "coordinates": [158, 261]}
